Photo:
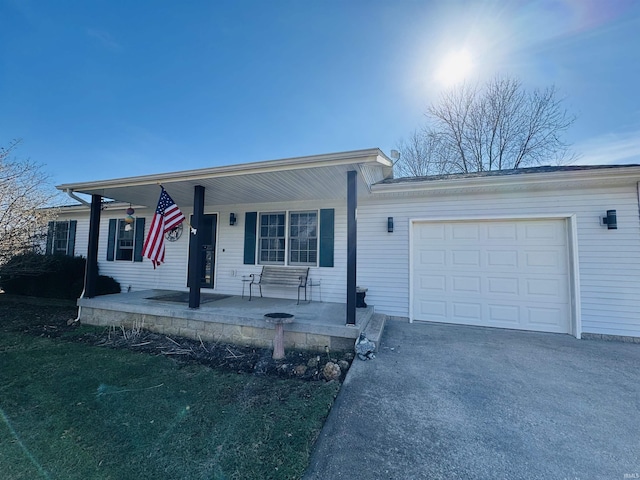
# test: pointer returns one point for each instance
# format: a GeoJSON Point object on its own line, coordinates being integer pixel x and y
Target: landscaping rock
{"type": "Point", "coordinates": [313, 362]}
{"type": "Point", "coordinates": [344, 365]}
{"type": "Point", "coordinates": [331, 371]}
{"type": "Point", "coordinates": [365, 348]}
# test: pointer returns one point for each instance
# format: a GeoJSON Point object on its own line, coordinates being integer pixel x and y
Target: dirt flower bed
{"type": "Point", "coordinates": [246, 359]}
{"type": "Point", "coordinates": [55, 321]}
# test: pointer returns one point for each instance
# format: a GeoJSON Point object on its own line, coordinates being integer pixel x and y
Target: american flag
{"type": "Point", "coordinates": [167, 217]}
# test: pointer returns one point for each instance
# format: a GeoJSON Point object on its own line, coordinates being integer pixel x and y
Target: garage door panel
{"type": "Point", "coordinates": [466, 284]}
{"type": "Point", "coordinates": [433, 258]}
{"type": "Point", "coordinates": [503, 285]}
{"type": "Point", "coordinates": [437, 232]}
{"type": "Point", "coordinates": [511, 274]}
{"type": "Point", "coordinates": [550, 319]}
{"type": "Point", "coordinates": [502, 260]}
{"type": "Point", "coordinates": [464, 232]}
{"type": "Point", "coordinates": [503, 315]}
{"type": "Point", "coordinates": [550, 259]}
{"type": "Point", "coordinates": [549, 231]}
{"type": "Point", "coordinates": [466, 310]}
{"type": "Point", "coordinates": [433, 310]}
{"type": "Point", "coordinates": [551, 289]}
{"type": "Point", "coordinates": [433, 283]}
{"type": "Point", "coordinates": [502, 231]}
{"type": "Point", "coordinates": [465, 258]}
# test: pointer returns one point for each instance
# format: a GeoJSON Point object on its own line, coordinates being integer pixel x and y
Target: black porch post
{"type": "Point", "coordinates": [195, 247]}
{"type": "Point", "coordinates": [91, 267]}
{"type": "Point", "coordinates": [352, 241]}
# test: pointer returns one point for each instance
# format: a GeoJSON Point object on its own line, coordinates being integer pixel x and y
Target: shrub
{"type": "Point", "coordinates": [107, 285]}
{"type": "Point", "coordinates": [50, 276]}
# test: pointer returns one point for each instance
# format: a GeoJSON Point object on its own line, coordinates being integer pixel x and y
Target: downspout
{"type": "Point", "coordinates": [69, 192]}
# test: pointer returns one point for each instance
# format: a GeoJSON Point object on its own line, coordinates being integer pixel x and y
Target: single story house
{"type": "Point", "coordinates": [550, 249]}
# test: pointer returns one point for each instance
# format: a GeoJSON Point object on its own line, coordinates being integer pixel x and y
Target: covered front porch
{"type": "Point", "coordinates": [298, 212]}
{"type": "Point", "coordinates": [233, 319]}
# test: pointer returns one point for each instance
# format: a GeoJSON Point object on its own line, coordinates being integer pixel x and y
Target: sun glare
{"type": "Point", "coordinates": [454, 68]}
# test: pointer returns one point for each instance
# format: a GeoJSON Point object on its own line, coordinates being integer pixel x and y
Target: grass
{"type": "Point", "coordinates": [73, 411]}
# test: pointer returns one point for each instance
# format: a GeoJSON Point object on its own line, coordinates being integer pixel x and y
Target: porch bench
{"type": "Point", "coordinates": [281, 276]}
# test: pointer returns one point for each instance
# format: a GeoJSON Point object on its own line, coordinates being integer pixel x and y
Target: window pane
{"type": "Point", "coordinates": [124, 242]}
{"type": "Point", "coordinates": [271, 244]}
{"type": "Point", "coordinates": [303, 238]}
{"type": "Point", "coordinates": [60, 236]}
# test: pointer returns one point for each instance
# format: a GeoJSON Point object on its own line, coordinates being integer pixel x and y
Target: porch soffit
{"type": "Point", "coordinates": [309, 178]}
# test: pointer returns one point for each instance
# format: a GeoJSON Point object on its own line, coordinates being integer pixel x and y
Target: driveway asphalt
{"type": "Point", "coordinates": [444, 401]}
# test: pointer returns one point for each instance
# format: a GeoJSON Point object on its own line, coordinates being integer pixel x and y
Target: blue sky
{"type": "Point", "coordinates": [115, 88]}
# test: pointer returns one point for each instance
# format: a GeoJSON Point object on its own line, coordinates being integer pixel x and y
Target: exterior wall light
{"type": "Point", "coordinates": [611, 220]}
{"type": "Point", "coordinates": [390, 224]}
{"type": "Point", "coordinates": [232, 219]}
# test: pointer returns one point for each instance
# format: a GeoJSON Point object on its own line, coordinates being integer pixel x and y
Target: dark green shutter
{"type": "Point", "coordinates": [138, 242]}
{"type": "Point", "coordinates": [71, 242]}
{"type": "Point", "coordinates": [50, 234]}
{"type": "Point", "coordinates": [327, 224]}
{"type": "Point", "coordinates": [111, 239]}
{"type": "Point", "coordinates": [250, 223]}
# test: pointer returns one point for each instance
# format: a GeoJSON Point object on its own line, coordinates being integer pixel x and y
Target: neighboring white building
{"type": "Point", "coordinates": [524, 249]}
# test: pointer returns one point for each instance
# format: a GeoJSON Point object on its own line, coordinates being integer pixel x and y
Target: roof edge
{"type": "Point", "coordinates": [533, 175]}
{"type": "Point", "coordinates": [372, 155]}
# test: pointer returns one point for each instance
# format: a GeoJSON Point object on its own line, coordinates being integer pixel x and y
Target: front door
{"type": "Point", "coordinates": [208, 251]}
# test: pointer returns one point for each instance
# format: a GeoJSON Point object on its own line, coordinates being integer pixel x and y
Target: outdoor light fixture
{"type": "Point", "coordinates": [611, 220]}
{"type": "Point", "coordinates": [390, 224]}
{"type": "Point", "coordinates": [232, 219]}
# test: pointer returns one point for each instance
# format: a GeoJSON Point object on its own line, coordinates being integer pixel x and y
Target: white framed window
{"type": "Point", "coordinates": [288, 238]}
{"type": "Point", "coordinates": [271, 250]}
{"type": "Point", "coordinates": [303, 238]}
{"type": "Point", "coordinates": [60, 238]}
{"type": "Point", "coordinates": [125, 240]}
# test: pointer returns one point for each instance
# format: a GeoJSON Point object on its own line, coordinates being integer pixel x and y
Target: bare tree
{"type": "Point", "coordinates": [23, 196]}
{"type": "Point", "coordinates": [420, 154]}
{"type": "Point", "coordinates": [496, 126]}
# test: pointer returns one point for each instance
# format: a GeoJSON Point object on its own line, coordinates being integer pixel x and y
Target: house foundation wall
{"type": "Point", "coordinates": [213, 331]}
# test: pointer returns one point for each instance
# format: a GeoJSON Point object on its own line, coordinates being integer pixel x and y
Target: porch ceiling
{"type": "Point", "coordinates": [306, 178]}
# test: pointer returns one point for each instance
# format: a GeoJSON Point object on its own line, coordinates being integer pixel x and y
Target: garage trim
{"type": "Point", "coordinates": [572, 242]}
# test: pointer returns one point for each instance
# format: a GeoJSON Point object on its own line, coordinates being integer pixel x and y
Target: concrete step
{"type": "Point", "coordinates": [374, 328]}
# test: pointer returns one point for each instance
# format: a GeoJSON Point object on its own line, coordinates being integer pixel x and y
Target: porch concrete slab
{"type": "Point", "coordinates": [311, 318]}
{"type": "Point", "coordinates": [443, 401]}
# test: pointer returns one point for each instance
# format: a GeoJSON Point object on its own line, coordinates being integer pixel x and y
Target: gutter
{"type": "Point", "coordinates": [542, 180]}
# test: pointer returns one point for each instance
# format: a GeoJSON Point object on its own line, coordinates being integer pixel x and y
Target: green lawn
{"type": "Point", "coordinates": [72, 411]}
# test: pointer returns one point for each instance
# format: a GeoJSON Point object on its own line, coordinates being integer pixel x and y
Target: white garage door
{"type": "Point", "coordinates": [508, 274]}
